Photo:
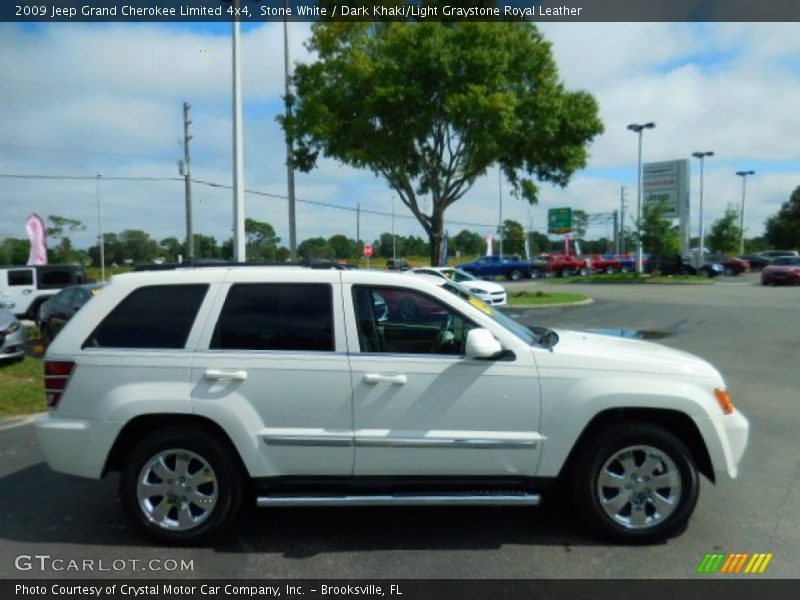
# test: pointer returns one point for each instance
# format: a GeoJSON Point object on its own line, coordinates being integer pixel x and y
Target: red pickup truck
{"type": "Point", "coordinates": [597, 263]}
{"type": "Point", "coordinates": [564, 265]}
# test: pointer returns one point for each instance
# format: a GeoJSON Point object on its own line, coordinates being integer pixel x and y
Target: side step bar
{"type": "Point", "coordinates": [403, 500]}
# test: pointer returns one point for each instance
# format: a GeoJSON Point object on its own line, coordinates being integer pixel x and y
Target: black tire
{"type": "Point", "coordinates": [600, 448]}
{"type": "Point", "coordinates": [566, 273]}
{"type": "Point", "coordinates": [728, 272]}
{"type": "Point", "coordinates": [47, 335]}
{"type": "Point", "coordinates": [229, 482]}
{"type": "Point", "coordinates": [536, 274]}
{"type": "Point", "coordinates": [515, 275]}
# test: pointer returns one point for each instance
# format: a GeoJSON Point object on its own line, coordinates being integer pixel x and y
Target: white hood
{"type": "Point", "coordinates": [608, 353]}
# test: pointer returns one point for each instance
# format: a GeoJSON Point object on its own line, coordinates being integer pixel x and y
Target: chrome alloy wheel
{"type": "Point", "coordinates": [177, 489]}
{"type": "Point", "coordinates": [639, 487]}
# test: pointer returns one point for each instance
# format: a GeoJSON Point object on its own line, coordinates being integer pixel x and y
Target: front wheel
{"type": "Point", "coordinates": [515, 275]}
{"type": "Point", "coordinates": [180, 486]}
{"type": "Point", "coordinates": [635, 482]}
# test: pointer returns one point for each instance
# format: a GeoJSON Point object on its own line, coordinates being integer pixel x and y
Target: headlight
{"type": "Point", "coordinates": [12, 328]}
{"type": "Point", "coordinates": [476, 291]}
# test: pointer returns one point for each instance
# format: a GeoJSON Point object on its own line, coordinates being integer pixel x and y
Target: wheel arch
{"type": "Point", "coordinates": [678, 423]}
{"type": "Point", "coordinates": [140, 426]}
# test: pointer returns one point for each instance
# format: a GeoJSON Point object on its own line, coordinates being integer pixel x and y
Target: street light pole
{"type": "Point", "coordinates": [100, 240]}
{"type": "Point", "coordinates": [239, 252]}
{"type": "Point", "coordinates": [702, 157]}
{"type": "Point", "coordinates": [638, 129]}
{"type": "Point", "coordinates": [289, 142]}
{"type": "Point", "coordinates": [500, 194]}
{"type": "Point", "coordinates": [743, 175]}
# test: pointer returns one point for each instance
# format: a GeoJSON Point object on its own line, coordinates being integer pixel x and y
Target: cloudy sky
{"type": "Point", "coordinates": [77, 100]}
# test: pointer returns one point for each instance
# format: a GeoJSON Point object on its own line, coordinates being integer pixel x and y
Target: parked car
{"type": "Point", "coordinates": [57, 310]}
{"type": "Point", "coordinates": [25, 288]}
{"type": "Point", "coordinates": [200, 385]}
{"type": "Point", "coordinates": [731, 265]}
{"type": "Point", "coordinates": [488, 291]}
{"type": "Point", "coordinates": [779, 253]}
{"type": "Point", "coordinates": [397, 264]}
{"type": "Point", "coordinates": [511, 268]}
{"type": "Point", "coordinates": [12, 336]}
{"type": "Point", "coordinates": [597, 263]}
{"type": "Point", "coordinates": [680, 264]}
{"type": "Point", "coordinates": [564, 265]}
{"type": "Point", "coordinates": [756, 260]}
{"type": "Point", "coordinates": [784, 269]}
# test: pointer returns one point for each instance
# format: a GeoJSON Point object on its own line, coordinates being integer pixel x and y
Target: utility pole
{"type": "Point", "coordinates": [500, 226]}
{"type": "Point", "coordinates": [743, 175]}
{"type": "Point", "coordinates": [358, 224]}
{"type": "Point", "coordinates": [100, 237]}
{"type": "Point", "coordinates": [289, 143]}
{"type": "Point", "coordinates": [394, 238]}
{"type": "Point", "coordinates": [616, 233]}
{"type": "Point", "coordinates": [622, 219]}
{"type": "Point", "coordinates": [187, 178]}
{"type": "Point", "coordinates": [239, 250]}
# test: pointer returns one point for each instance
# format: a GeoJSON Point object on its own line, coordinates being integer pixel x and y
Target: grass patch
{"type": "Point", "coordinates": [21, 387]}
{"type": "Point", "coordinates": [540, 298]}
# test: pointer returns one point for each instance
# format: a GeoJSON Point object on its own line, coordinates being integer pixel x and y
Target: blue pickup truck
{"type": "Point", "coordinates": [493, 266]}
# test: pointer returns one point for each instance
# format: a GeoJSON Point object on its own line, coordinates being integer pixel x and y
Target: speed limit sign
{"type": "Point", "coordinates": [368, 250]}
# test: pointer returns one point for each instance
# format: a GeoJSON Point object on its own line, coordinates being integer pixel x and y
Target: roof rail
{"type": "Point", "coordinates": [214, 262]}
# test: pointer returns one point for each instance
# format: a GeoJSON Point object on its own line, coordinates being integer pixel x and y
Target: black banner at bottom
{"type": "Point", "coordinates": [402, 589]}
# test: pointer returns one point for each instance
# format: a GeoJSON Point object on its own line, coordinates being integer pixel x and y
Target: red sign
{"type": "Point", "coordinates": [368, 250]}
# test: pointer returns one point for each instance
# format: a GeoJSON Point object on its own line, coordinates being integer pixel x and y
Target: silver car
{"type": "Point", "coordinates": [12, 336]}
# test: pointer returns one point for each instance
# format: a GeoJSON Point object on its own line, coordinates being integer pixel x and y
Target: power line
{"type": "Point", "coordinates": [76, 151]}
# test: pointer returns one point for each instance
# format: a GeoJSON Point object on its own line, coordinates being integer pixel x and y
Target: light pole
{"type": "Point", "coordinates": [394, 238]}
{"type": "Point", "coordinates": [100, 240]}
{"type": "Point", "coordinates": [702, 157]}
{"type": "Point", "coordinates": [239, 252]}
{"type": "Point", "coordinates": [287, 74]}
{"type": "Point", "coordinates": [638, 129]}
{"type": "Point", "coordinates": [743, 175]}
{"type": "Point", "coordinates": [500, 194]}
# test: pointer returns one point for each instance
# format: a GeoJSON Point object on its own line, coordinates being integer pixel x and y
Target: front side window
{"type": "Point", "coordinates": [20, 277]}
{"type": "Point", "coordinates": [54, 277]}
{"type": "Point", "coordinates": [403, 321]}
{"type": "Point", "coordinates": [158, 316]}
{"type": "Point", "coordinates": [276, 317]}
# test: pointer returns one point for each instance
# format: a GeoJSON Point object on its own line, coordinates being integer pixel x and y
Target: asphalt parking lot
{"type": "Point", "coordinates": [751, 333]}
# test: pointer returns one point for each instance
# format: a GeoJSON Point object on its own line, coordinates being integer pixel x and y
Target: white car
{"type": "Point", "coordinates": [318, 387]}
{"type": "Point", "coordinates": [488, 291]}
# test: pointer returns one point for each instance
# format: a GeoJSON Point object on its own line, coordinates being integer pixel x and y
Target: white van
{"type": "Point", "coordinates": [23, 288]}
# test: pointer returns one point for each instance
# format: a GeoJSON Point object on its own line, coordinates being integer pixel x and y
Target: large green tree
{"type": "Point", "coordinates": [725, 233]}
{"type": "Point", "coordinates": [783, 229]}
{"type": "Point", "coordinates": [467, 242]}
{"type": "Point", "coordinates": [262, 241]}
{"type": "Point", "coordinates": [513, 237]}
{"type": "Point", "coordinates": [58, 229]}
{"type": "Point", "coordinates": [431, 106]}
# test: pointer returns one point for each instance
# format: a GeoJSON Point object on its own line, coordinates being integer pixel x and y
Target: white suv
{"type": "Point", "coordinates": [208, 386]}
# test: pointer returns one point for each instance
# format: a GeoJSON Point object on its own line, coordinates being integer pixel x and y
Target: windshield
{"type": "Point", "coordinates": [787, 260]}
{"type": "Point", "coordinates": [519, 330]}
{"type": "Point", "coordinates": [459, 276]}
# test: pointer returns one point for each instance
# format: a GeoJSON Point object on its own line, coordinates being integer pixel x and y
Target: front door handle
{"type": "Point", "coordinates": [222, 375]}
{"type": "Point", "coordinates": [378, 378]}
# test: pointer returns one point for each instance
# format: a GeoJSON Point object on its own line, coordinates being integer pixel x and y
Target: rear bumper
{"type": "Point", "coordinates": [726, 440]}
{"type": "Point", "coordinates": [76, 446]}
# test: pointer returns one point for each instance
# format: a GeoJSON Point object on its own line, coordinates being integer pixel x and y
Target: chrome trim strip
{"type": "Point", "coordinates": [307, 440]}
{"type": "Point", "coordinates": [387, 442]}
{"type": "Point", "coordinates": [417, 500]}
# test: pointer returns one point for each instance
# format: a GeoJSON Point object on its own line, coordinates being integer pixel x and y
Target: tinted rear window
{"type": "Point", "coordinates": [276, 317]}
{"type": "Point", "coordinates": [158, 316]}
{"type": "Point", "coordinates": [21, 277]}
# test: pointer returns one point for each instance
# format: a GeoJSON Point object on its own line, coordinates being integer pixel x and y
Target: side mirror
{"type": "Point", "coordinates": [482, 344]}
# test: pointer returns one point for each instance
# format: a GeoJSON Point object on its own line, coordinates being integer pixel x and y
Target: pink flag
{"type": "Point", "coordinates": [38, 237]}
{"type": "Point", "coordinates": [489, 240]}
{"type": "Point", "coordinates": [566, 244]}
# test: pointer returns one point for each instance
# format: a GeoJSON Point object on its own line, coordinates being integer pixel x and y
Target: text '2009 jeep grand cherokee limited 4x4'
{"type": "Point", "coordinates": [328, 388]}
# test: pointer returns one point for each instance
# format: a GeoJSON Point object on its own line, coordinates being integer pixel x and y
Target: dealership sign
{"type": "Point", "coordinates": [667, 182]}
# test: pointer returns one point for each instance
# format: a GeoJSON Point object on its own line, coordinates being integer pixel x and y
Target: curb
{"type": "Point", "coordinates": [18, 421]}
{"type": "Point", "coordinates": [558, 305]}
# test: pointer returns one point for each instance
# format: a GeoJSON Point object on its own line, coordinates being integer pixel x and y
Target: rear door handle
{"type": "Point", "coordinates": [222, 375]}
{"type": "Point", "coordinates": [378, 378]}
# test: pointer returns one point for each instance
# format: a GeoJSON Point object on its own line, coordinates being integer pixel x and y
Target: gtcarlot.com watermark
{"type": "Point", "coordinates": [47, 563]}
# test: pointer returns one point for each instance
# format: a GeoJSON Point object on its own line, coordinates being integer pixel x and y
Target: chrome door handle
{"type": "Point", "coordinates": [222, 375]}
{"type": "Point", "coordinates": [393, 379]}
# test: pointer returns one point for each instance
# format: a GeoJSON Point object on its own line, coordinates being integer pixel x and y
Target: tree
{"type": "Point", "coordinates": [513, 237]}
{"type": "Point", "coordinates": [431, 106]}
{"type": "Point", "coordinates": [138, 246]}
{"type": "Point", "coordinates": [172, 248]}
{"type": "Point", "coordinates": [658, 234]}
{"type": "Point", "coordinates": [580, 223]}
{"type": "Point", "coordinates": [343, 246]}
{"type": "Point", "coordinates": [16, 251]}
{"type": "Point", "coordinates": [58, 229]}
{"type": "Point", "coordinates": [725, 233]}
{"type": "Point", "coordinates": [262, 241]}
{"type": "Point", "coordinates": [467, 242]}
{"type": "Point", "coordinates": [539, 242]}
{"type": "Point", "coordinates": [783, 229]}
{"type": "Point", "coordinates": [313, 248]}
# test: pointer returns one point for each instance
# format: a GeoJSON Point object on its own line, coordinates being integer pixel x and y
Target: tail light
{"type": "Point", "coordinates": [56, 378]}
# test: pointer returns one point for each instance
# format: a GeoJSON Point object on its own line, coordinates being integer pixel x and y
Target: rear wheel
{"type": "Point", "coordinates": [179, 485]}
{"type": "Point", "coordinates": [515, 275]}
{"type": "Point", "coordinates": [566, 272]}
{"type": "Point", "coordinates": [635, 482]}
{"type": "Point", "coordinates": [536, 274]}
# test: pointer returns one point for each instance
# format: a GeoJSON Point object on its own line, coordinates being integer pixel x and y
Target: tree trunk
{"type": "Point", "coordinates": [436, 239]}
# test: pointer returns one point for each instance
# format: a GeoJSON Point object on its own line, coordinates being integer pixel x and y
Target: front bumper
{"type": "Point", "coordinates": [726, 440]}
{"type": "Point", "coordinates": [12, 345]}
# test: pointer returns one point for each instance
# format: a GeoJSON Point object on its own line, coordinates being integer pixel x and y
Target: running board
{"type": "Point", "coordinates": [402, 500]}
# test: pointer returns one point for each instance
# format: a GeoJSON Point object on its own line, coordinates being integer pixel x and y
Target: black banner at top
{"type": "Point", "coordinates": [253, 11]}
